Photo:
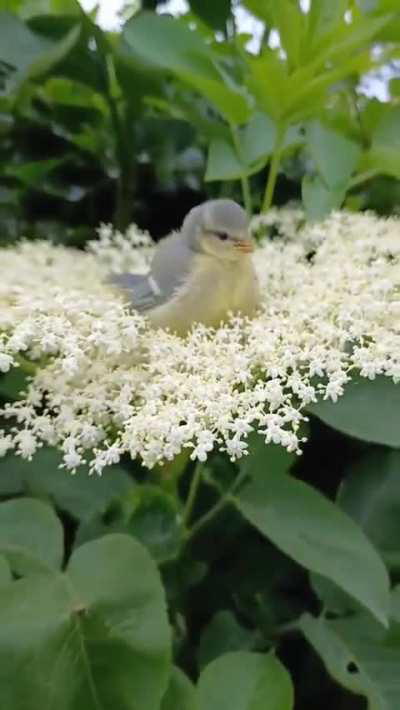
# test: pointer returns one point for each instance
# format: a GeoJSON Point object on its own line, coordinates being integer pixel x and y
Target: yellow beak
{"type": "Point", "coordinates": [245, 246]}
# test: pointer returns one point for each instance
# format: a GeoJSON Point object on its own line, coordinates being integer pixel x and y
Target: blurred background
{"type": "Point", "coordinates": [106, 117]}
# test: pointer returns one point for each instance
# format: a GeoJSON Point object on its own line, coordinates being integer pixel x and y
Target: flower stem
{"type": "Point", "coordinates": [227, 498]}
{"type": "Point", "coordinates": [274, 167]}
{"type": "Point", "coordinates": [194, 487]}
{"type": "Point", "coordinates": [244, 180]}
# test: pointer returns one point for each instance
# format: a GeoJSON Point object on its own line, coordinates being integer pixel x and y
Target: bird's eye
{"type": "Point", "coordinates": [223, 236]}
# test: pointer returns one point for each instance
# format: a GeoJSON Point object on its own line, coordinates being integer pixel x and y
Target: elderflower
{"type": "Point", "coordinates": [102, 383]}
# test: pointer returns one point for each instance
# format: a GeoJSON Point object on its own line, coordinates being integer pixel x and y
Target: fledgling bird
{"type": "Point", "coordinates": [200, 273]}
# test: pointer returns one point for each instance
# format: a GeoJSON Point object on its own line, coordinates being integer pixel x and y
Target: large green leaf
{"type": "Point", "coordinates": [27, 53]}
{"type": "Point", "coordinates": [222, 635]}
{"type": "Point", "coordinates": [180, 694]}
{"type": "Point", "coordinates": [370, 494]}
{"type": "Point", "coordinates": [358, 658]}
{"type": "Point", "coordinates": [318, 199]}
{"type": "Point", "coordinates": [31, 536]}
{"type": "Point", "coordinates": [145, 512]}
{"type": "Point", "coordinates": [264, 459]}
{"type": "Point", "coordinates": [318, 535]}
{"type": "Point", "coordinates": [355, 412]}
{"type": "Point", "coordinates": [384, 153]}
{"type": "Point", "coordinates": [215, 14]}
{"type": "Point", "coordinates": [169, 44]}
{"type": "Point", "coordinates": [335, 155]}
{"type": "Point", "coordinates": [5, 572]}
{"type": "Point", "coordinates": [245, 681]}
{"type": "Point", "coordinates": [31, 173]}
{"type": "Point", "coordinates": [323, 17]}
{"type": "Point", "coordinates": [94, 638]}
{"type": "Point", "coordinates": [223, 162]}
{"type": "Point", "coordinates": [79, 494]}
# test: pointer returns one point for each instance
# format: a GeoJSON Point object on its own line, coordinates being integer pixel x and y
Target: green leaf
{"type": "Point", "coordinates": [221, 635]}
{"type": "Point", "coordinates": [31, 536]}
{"type": "Point", "coordinates": [33, 172]}
{"type": "Point", "coordinates": [223, 162]}
{"type": "Point", "coordinates": [318, 535]}
{"type": "Point", "coordinates": [384, 153]}
{"type": "Point", "coordinates": [357, 658]}
{"type": "Point", "coordinates": [355, 412]}
{"type": "Point", "coordinates": [5, 572]}
{"type": "Point", "coordinates": [394, 87]}
{"type": "Point", "coordinates": [258, 139]}
{"type": "Point", "coordinates": [215, 14]}
{"type": "Point", "coordinates": [169, 44]}
{"type": "Point", "coordinates": [370, 494]}
{"type": "Point", "coordinates": [323, 17]}
{"type": "Point", "coordinates": [30, 8]}
{"type": "Point", "coordinates": [180, 694]}
{"type": "Point", "coordinates": [79, 494]}
{"type": "Point", "coordinates": [28, 53]}
{"type": "Point", "coordinates": [94, 638]}
{"type": "Point", "coordinates": [146, 513]}
{"type": "Point", "coordinates": [335, 155]}
{"type": "Point", "coordinates": [268, 81]}
{"type": "Point", "coordinates": [264, 459]}
{"type": "Point", "coordinates": [245, 681]}
{"type": "Point", "coordinates": [291, 24]}
{"type": "Point", "coordinates": [318, 200]}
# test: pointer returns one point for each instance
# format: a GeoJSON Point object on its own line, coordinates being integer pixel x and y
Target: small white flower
{"type": "Point", "coordinates": [106, 385]}
{"type": "Point", "coordinates": [6, 362]}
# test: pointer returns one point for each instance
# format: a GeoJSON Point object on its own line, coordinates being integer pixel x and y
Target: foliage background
{"type": "Point", "coordinates": [122, 127]}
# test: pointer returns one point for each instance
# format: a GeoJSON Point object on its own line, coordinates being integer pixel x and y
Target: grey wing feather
{"type": "Point", "coordinates": [139, 288]}
{"type": "Point", "coordinates": [169, 269]}
{"type": "Point", "coordinates": [171, 265]}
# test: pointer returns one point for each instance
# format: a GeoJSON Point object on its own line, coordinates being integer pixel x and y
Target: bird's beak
{"type": "Point", "coordinates": [245, 246]}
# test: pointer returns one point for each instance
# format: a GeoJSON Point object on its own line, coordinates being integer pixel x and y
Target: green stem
{"type": "Point", "coordinates": [244, 180]}
{"type": "Point", "coordinates": [363, 177]}
{"type": "Point", "coordinates": [274, 167]}
{"type": "Point", "coordinates": [123, 154]}
{"type": "Point", "coordinates": [194, 487]}
{"type": "Point", "coordinates": [213, 512]}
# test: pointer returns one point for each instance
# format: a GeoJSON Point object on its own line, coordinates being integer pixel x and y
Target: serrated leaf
{"type": "Point", "coordinates": [318, 535]}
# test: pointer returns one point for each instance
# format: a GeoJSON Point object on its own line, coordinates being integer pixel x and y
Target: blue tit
{"type": "Point", "coordinates": [199, 274]}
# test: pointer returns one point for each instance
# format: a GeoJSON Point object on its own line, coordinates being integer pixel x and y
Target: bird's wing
{"type": "Point", "coordinates": [168, 272]}
{"type": "Point", "coordinates": [142, 291]}
{"type": "Point", "coordinates": [171, 265]}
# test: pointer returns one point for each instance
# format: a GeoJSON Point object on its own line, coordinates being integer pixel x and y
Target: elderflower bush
{"type": "Point", "coordinates": [105, 384]}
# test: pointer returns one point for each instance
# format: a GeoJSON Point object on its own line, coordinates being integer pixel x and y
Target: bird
{"type": "Point", "coordinates": [199, 274]}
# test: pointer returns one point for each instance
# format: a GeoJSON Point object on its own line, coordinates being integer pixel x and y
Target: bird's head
{"type": "Point", "coordinates": [218, 228]}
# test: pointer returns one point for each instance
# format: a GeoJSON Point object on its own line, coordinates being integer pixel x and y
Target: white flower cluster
{"type": "Point", "coordinates": [106, 384]}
